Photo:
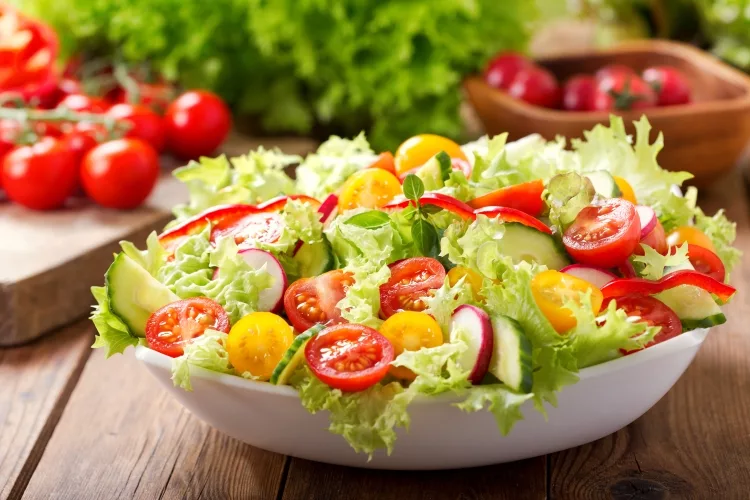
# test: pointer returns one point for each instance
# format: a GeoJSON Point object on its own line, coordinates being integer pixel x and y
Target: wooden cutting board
{"type": "Point", "coordinates": [49, 260]}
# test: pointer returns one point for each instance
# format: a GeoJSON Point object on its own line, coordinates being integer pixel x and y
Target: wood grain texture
{"type": "Point", "coordinates": [35, 383]}
{"type": "Point", "coordinates": [122, 436]}
{"type": "Point", "coordinates": [694, 444]}
{"type": "Point", "coordinates": [515, 481]}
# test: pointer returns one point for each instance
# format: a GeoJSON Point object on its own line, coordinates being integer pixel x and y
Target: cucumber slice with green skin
{"type": "Point", "coordinates": [511, 359]}
{"type": "Point", "coordinates": [434, 173]}
{"type": "Point", "coordinates": [604, 184]}
{"type": "Point", "coordinates": [293, 356]}
{"type": "Point", "coordinates": [695, 307]}
{"type": "Point", "coordinates": [314, 259]}
{"type": "Point", "coordinates": [134, 294]}
{"type": "Point", "coordinates": [524, 243]}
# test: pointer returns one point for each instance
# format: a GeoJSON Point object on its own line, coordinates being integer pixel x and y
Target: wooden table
{"type": "Point", "coordinates": [76, 426]}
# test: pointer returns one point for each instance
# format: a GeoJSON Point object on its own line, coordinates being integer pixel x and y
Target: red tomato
{"type": "Point", "coordinates": [197, 123]}
{"type": "Point", "coordinates": [175, 325]}
{"type": "Point", "coordinates": [121, 173]}
{"type": "Point", "coordinates": [309, 301]}
{"type": "Point", "coordinates": [706, 262]}
{"type": "Point", "coordinates": [526, 197]}
{"type": "Point", "coordinates": [411, 279]}
{"type": "Point", "coordinates": [578, 93]}
{"type": "Point", "coordinates": [536, 86]}
{"type": "Point", "coordinates": [656, 239]}
{"type": "Point", "coordinates": [385, 162]}
{"type": "Point", "coordinates": [623, 92]}
{"type": "Point", "coordinates": [604, 235]}
{"type": "Point", "coordinates": [82, 103]}
{"type": "Point", "coordinates": [9, 131]}
{"type": "Point", "coordinates": [651, 311]}
{"type": "Point", "coordinates": [249, 229]}
{"type": "Point", "coordinates": [155, 96]}
{"type": "Point", "coordinates": [144, 124]}
{"type": "Point", "coordinates": [605, 75]}
{"type": "Point", "coordinates": [670, 85]}
{"type": "Point", "coordinates": [502, 69]}
{"type": "Point", "coordinates": [349, 357]}
{"type": "Point", "coordinates": [79, 142]}
{"type": "Point", "coordinates": [41, 176]}
{"type": "Point", "coordinates": [507, 214]}
{"type": "Point", "coordinates": [66, 87]}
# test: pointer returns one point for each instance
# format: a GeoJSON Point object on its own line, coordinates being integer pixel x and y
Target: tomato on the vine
{"type": "Point", "coordinates": [144, 123]}
{"type": "Point", "coordinates": [79, 142]}
{"type": "Point", "coordinates": [309, 301]}
{"type": "Point", "coordinates": [411, 280]}
{"type": "Point", "coordinates": [651, 311]}
{"type": "Point", "coordinates": [670, 85]}
{"type": "Point", "coordinates": [536, 86]}
{"type": "Point", "coordinates": [604, 235]}
{"type": "Point", "coordinates": [503, 68]}
{"type": "Point", "coordinates": [175, 325]}
{"type": "Point", "coordinates": [82, 103]}
{"type": "Point", "coordinates": [41, 176]}
{"type": "Point", "coordinates": [623, 92]}
{"type": "Point", "coordinates": [197, 122]}
{"type": "Point", "coordinates": [578, 93]}
{"type": "Point", "coordinates": [121, 173]}
{"type": "Point", "coordinates": [349, 357]}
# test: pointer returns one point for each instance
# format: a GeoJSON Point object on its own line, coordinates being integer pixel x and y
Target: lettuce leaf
{"type": "Point", "coordinates": [567, 194]}
{"type": "Point", "coordinates": [722, 234]}
{"type": "Point", "coordinates": [444, 300]}
{"type": "Point", "coordinates": [651, 264]}
{"type": "Point", "coordinates": [460, 242]}
{"type": "Point", "coordinates": [555, 366]}
{"type": "Point", "coordinates": [504, 404]}
{"type": "Point", "coordinates": [206, 351]}
{"type": "Point", "coordinates": [437, 368]}
{"type": "Point", "coordinates": [300, 221]}
{"type": "Point", "coordinates": [113, 335]}
{"type": "Point", "coordinates": [361, 304]}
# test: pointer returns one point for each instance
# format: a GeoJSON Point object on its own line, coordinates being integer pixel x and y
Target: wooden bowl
{"type": "Point", "coordinates": [706, 137]}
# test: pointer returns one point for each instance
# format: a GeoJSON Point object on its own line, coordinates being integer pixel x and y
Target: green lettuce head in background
{"type": "Point", "coordinates": [392, 68]}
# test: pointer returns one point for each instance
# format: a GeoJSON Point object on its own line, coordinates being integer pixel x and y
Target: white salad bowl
{"type": "Point", "coordinates": [607, 397]}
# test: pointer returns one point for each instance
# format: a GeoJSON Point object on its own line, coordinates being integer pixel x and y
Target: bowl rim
{"type": "Point", "coordinates": [683, 341]}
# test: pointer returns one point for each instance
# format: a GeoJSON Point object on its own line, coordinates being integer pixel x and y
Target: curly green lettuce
{"type": "Point", "coordinates": [207, 351]}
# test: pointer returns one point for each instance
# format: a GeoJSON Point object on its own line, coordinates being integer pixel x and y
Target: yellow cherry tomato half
{"type": "Point", "coordinates": [472, 278]}
{"type": "Point", "coordinates": [691, 235]}
{"type": "Point", "coordinates": [257, 342]}
{"type": "Point", "coordinates": [410, 331]}
{"type": "Point", "coordinates": [626, 189]}
{"type": "Point", "coordinates": [553, 289]}
{"type": "Point", "coordinates": [415, 151]}
{"type": "Point", "coordinates": [369, 188]}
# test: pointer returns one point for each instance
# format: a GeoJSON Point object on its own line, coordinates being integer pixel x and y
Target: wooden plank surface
{"type": "Point", "coordinates": [695, 443]}
{"type": "Point", "coordinates": [122, 436]}
{"type": "Point", "coordinates": [35, 383]}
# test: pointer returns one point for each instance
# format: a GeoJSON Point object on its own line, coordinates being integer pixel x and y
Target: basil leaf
{"type": "Point", "coordinates": [372, 219]}
{"type": "Point", "coordinates": [430, 209]}
{"type": "Point", "coordinates": [413, 187]}
{"type": "Point", "coordinates": [425, 238]}
{"type": "Point", "coordinates": [409, 212]}
{"type": "Point", "coordinates": [445, 165]}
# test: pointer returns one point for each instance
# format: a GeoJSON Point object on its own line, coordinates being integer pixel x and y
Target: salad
{"type": "Point", "coordinates": [494, 271]}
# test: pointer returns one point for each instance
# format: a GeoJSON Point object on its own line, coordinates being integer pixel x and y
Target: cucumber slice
{"type": "Point", "coordinates": [293, 356]}
{"type": "Point", "coordinates": [314, 259]}
{"type": "Point", "coordinates": [695, 307]}
{"type": "Point", "coordinates": [524, 243]}
{"type": "Point", "coordinates": [134, 294]}
{"type": "Point", "coordinates": [435, 172]}
{"type": "Point", "coordinates": [511, 359]}
{"type": "Point", "coordinates": [604, 184]}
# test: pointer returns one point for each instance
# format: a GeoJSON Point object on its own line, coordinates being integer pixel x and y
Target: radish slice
{"type": "Point", "coordinates": [269, 299]}
{"type": "Point", "coordinates": [477, 329]}
{"type": "Point", "coordinates": [594, 275]}
{"type": "Point", "coordinates": [326, 210]}
{"type": "Point", "coordinates": [648, 219]}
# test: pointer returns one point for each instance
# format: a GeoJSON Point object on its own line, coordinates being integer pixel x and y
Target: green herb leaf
{"type": "Point", "coordinates": [425, 238]}
{"type": "Point", "coordinates": [445, 165]}
{"type": "Point", "coordinates": [371, 219]}
{"type": "Point", "coordinates": [413, 187]}
{"type": "Point", "coordinates": [430, 209]}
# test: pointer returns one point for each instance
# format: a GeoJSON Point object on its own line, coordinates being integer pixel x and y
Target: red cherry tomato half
{"type": "Point", "coordinates": [507, 214]}
{"type": "Point", "coordinates": [120, 174]}
{"type": "Point", "coordinates": [526, 197]}
{"type": "Point", "coordinates": [502, 69]}
{"type": "Point", "coordinates": [349, 357]}
{"type": "Point", "coordinates": [651, 311]}
{"type": "Point", "coordinates": [623, 92]}
{"type": "Point", "coordinates": [410, 281]}
{"type": "Point", "coordinates": [41, 176]}
{"type": "Point", "coordinates": [706, 262]}
{"type": "Point", "coordinates": [249, 229]}
{"type": "Point", "coordinates": [604, 235]}
{"type": "Point", "coordinates": [82, 103]}
{"type": "Point", "coordinates": [670, 85]}
{"type": "Point", "coordinates": [536, 86]}
{"type": "Point", "coordinates": [197, 122]}
{"type": "Point", "coordinates": [578, 93]}
{"type": "Point", "coordinates": [309, 301]}
{"type": "Point", "coordinates": [175, 325]}
{"type": "Point", "coordinates": [144, 124]}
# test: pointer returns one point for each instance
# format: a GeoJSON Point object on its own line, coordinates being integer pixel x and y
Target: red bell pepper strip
{"type": "Point", "coordinates": [507, 214]}
{"type": "Point", "coordinates": [620, 287]}
{"type": "Point", "coordinates": [439, 200]}
{"type": "Point", "coordinates": [526, 197]}
{"type": "Point", "coordinates": [278, 203]}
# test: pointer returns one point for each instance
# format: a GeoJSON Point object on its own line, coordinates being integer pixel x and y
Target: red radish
{"type": "Point", "coordinates": [269, 299]}
{"type": "Point", "coordinates": [648, 219]}
{"type": "Point", "coordinates": [594, 275]}
{"type": "Point", "coordinates": [328, 207]}
{"type": "Point", "coordinates": [475, 324]}
{"type": "Point", "coordinates": [627, 270]}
